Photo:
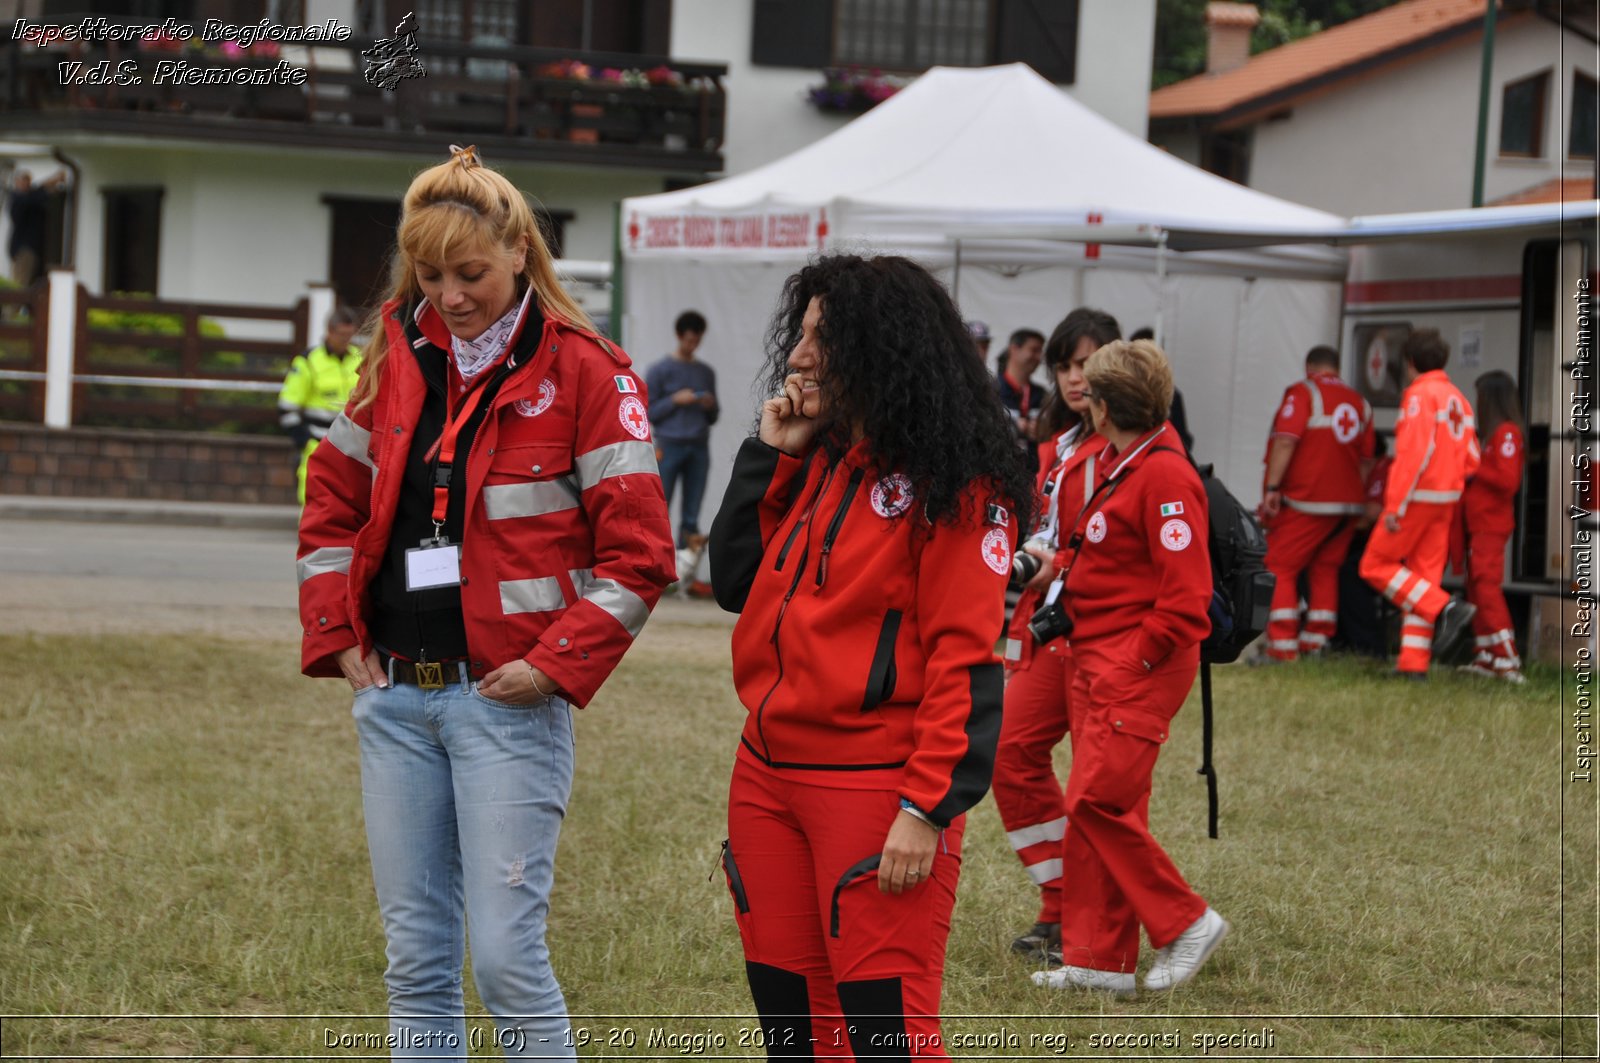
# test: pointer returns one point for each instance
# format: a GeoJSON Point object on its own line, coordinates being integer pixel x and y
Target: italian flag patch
{"type": "Point", "coordinates": [1171, 509]}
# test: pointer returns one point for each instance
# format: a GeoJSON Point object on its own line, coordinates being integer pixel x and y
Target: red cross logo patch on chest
{"type": "Point", "coordinates": [891, 496]}
{"type": "Point", "coordinates": [634, 417]}
{"type": "Point", "coordinates": [1096, 528]}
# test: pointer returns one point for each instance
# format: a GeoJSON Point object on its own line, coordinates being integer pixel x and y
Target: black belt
{"type": "Point", "coordinates": [429, 675]}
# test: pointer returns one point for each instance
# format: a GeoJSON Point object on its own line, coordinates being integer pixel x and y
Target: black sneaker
{"type": "Point", "coordinates": [1043, 940]}
{"type": "Point", "coordinates": [1451, 627]}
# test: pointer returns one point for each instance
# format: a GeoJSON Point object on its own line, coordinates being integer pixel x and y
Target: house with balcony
{"type": "Point", "coordinates": [251, 192]}
{"type": "Point", "coordinates": [1380, 114]}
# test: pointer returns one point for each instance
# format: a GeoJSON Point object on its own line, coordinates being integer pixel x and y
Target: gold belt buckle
{"type": "Point", "coordinates": [430, 676]}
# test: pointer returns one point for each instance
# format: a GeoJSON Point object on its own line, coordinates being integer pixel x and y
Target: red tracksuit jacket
{"type": "Point", "coordinates": [1067, 474]}
{"type": "Point", "coordinates": [566, 544]}
{"type": "Point", "coordinates": [865, 640]}
{"type": "Point", "coordinates": [1487, 503]}
{"type": "Point", "coordinates": [1143, 561]}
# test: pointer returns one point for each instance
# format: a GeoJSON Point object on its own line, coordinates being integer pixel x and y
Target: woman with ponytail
{"type": "Point", "coordinates": [484, 535]}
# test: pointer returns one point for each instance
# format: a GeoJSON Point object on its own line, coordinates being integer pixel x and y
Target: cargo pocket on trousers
{"type": "Point", "coordinates": [1132, 747]}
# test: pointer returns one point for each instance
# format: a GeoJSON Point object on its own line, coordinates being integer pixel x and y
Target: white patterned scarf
{"type": "Point", "coordinates": [473, 356]}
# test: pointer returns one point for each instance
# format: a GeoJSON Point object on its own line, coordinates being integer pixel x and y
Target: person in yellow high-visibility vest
{"type": "Point", "coordinates": [317, 387]}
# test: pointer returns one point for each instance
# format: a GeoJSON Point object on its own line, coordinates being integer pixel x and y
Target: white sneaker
{"type": "Point", "coordinates": [1178, 962]}
{"type": "Point", "coordinates": [1119, 982]}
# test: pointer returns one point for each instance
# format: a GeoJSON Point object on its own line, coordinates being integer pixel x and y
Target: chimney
{"type": "Point", "coordinates": [1228, 29]}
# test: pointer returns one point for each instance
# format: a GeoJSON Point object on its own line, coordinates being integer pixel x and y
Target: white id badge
{"type": "Point", "coordinates": [431, 565]}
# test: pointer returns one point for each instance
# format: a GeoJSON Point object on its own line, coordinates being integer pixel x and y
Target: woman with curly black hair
{"type": "Point", "coordinates": [866, 538]}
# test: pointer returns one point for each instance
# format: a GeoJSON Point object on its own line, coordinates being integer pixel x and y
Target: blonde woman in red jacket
{"type": "Point", "coordinates": [484, 535]}
{"type": "Point", "coordinates": [1136, 585]}
{"type": "Point", "coordinates": [1489, 516]}
{"type": "Point", "coordinates": [1027, 793]}
{"type": "Point", "coordinates": [865, 539]}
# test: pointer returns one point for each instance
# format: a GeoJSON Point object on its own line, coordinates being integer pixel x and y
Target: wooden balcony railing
{"type": "Point", "coordinates": [504, 99]}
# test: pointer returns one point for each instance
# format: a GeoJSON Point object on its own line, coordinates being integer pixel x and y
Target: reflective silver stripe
{"type": "Point", "coordinates": [1416, 642]}
{"type": "Point", "coordinates": [1324, 615]}
{"type": "Point", "coordinates": [1503, 635]}
{"type": "Point", "coordinates": [1283, 614]}
{"type": "Point", "coordinates": [1283, 644]}
{"type": "Point", "coordinates": [624, 606]}
{"type": "Point", "coordinates": [323, 560]}
{"type": "Point", "coordinates": [1422, 587]}
{"type": "Point", "coordinates": [1437, 497]}
{"type": "Point", "coordinates": [531, 595]}
{"type": "Point", "coordinates": [504, 501]}
{"type": "Point", "coordinates": [1316, 403]}
{"type": "Point", "coordinates": [617, 459]}
{"type": "Point", "coordinates": [351, 440]}
{"type": "Point", "coordinates": [1045, 871]}
{"type": "Point", "coordinates": [1312, 640]}
{"type": "Point", "coordinates": [1052, 831]}
{"type": "Point", "coordinates": [1400, 576]}
{"type": "Point", "coordinates": [1323, 508]}
{"type": "Point", "coordinates": [1483, 640]}
{"type": "Point", "coordinates": [1413, 620]}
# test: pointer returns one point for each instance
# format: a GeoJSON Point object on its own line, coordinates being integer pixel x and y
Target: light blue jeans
{"type": "Point", "coordinates": [464, 798]}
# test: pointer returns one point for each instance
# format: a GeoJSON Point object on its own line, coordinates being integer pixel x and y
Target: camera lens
{"type": "Point", "coordinates": [1024, 566]}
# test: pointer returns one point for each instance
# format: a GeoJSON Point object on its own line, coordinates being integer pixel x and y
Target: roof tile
{"type": "Point", "coordinates": [1311, 57]}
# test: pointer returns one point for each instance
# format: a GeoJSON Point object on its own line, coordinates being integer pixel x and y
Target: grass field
{"type": "Point", "coordinates": [181, 848]}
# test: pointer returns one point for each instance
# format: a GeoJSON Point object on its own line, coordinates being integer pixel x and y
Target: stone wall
{"type": "Point", "coordinates": [118, 463]}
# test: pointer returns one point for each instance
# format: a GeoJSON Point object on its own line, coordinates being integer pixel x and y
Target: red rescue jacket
{"type": "Point", "coordinates": [866, 637]}
{"type": "Point", "coordinates": [565, 545]}
{"type": "Point", "coordinates": [1143, 560]}
{"type": "Point", "coordinates": [1435, 446]}
{"type": "Point", "coordinates": [1332, 427]}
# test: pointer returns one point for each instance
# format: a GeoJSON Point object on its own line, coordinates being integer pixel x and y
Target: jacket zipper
{"type": "Point", "coordinates": [837, 522]}
{"type": "Point", "coordinates": [800, 570]}
{"type": "Point", "coordinates": [801, 523]}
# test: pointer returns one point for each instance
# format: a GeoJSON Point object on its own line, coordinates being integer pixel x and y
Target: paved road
{"type": "Point", "coordinates": [68, 576]}
{"type": "Point", "coordinates": [89, 578]}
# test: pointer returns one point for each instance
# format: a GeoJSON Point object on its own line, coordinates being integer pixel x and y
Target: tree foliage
{"type": "Point", "coordinates": [1180, 38]}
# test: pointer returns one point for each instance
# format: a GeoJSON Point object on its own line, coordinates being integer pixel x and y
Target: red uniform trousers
{"type": "Point", "coordinates": [1316, 544]}
{"type": "Point", "coordinates": [1027, 793]}
{"type": "Point", "coordinates": [1486, 563]}
{"type": "Point", "coordinates": [828, 955]}
{"type": "Point", "coordinates": [1115, 875]}
{"type": "Point", "coordinates": [1405, 567]}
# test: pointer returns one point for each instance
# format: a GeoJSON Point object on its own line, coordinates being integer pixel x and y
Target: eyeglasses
{"type": "Point", "coordinates": [1092, 395]}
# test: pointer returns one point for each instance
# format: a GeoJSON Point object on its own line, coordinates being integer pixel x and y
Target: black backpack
{"type": "Point", "coordinates": [1241, 599]}
{"type": "Point", "coordinates": [1241, 586]}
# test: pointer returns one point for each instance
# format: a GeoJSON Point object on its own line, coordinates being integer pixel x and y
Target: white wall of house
{"type": "Point", "coordinates": [1403, 138]}
{"type": "Point", "coordinates": [768, 116]}
{"type": "Point", "coordinates": [250, 226]}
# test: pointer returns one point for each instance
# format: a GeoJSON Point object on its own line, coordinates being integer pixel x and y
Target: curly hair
{"type": "Point", "coordinates": [899, 367]}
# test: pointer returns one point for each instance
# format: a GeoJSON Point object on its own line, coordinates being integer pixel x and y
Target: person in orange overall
{"type": "Point", "coordinates": [1316, 468]}
{"type": "Point", "coordinates": [1487, 518]}
{"type": "Point", "coordinates": [1136, 585]}
{"type": "Point", "coordinates": [1027, 793]}
{"type": "Point", "coordinates": [1435, 451]}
